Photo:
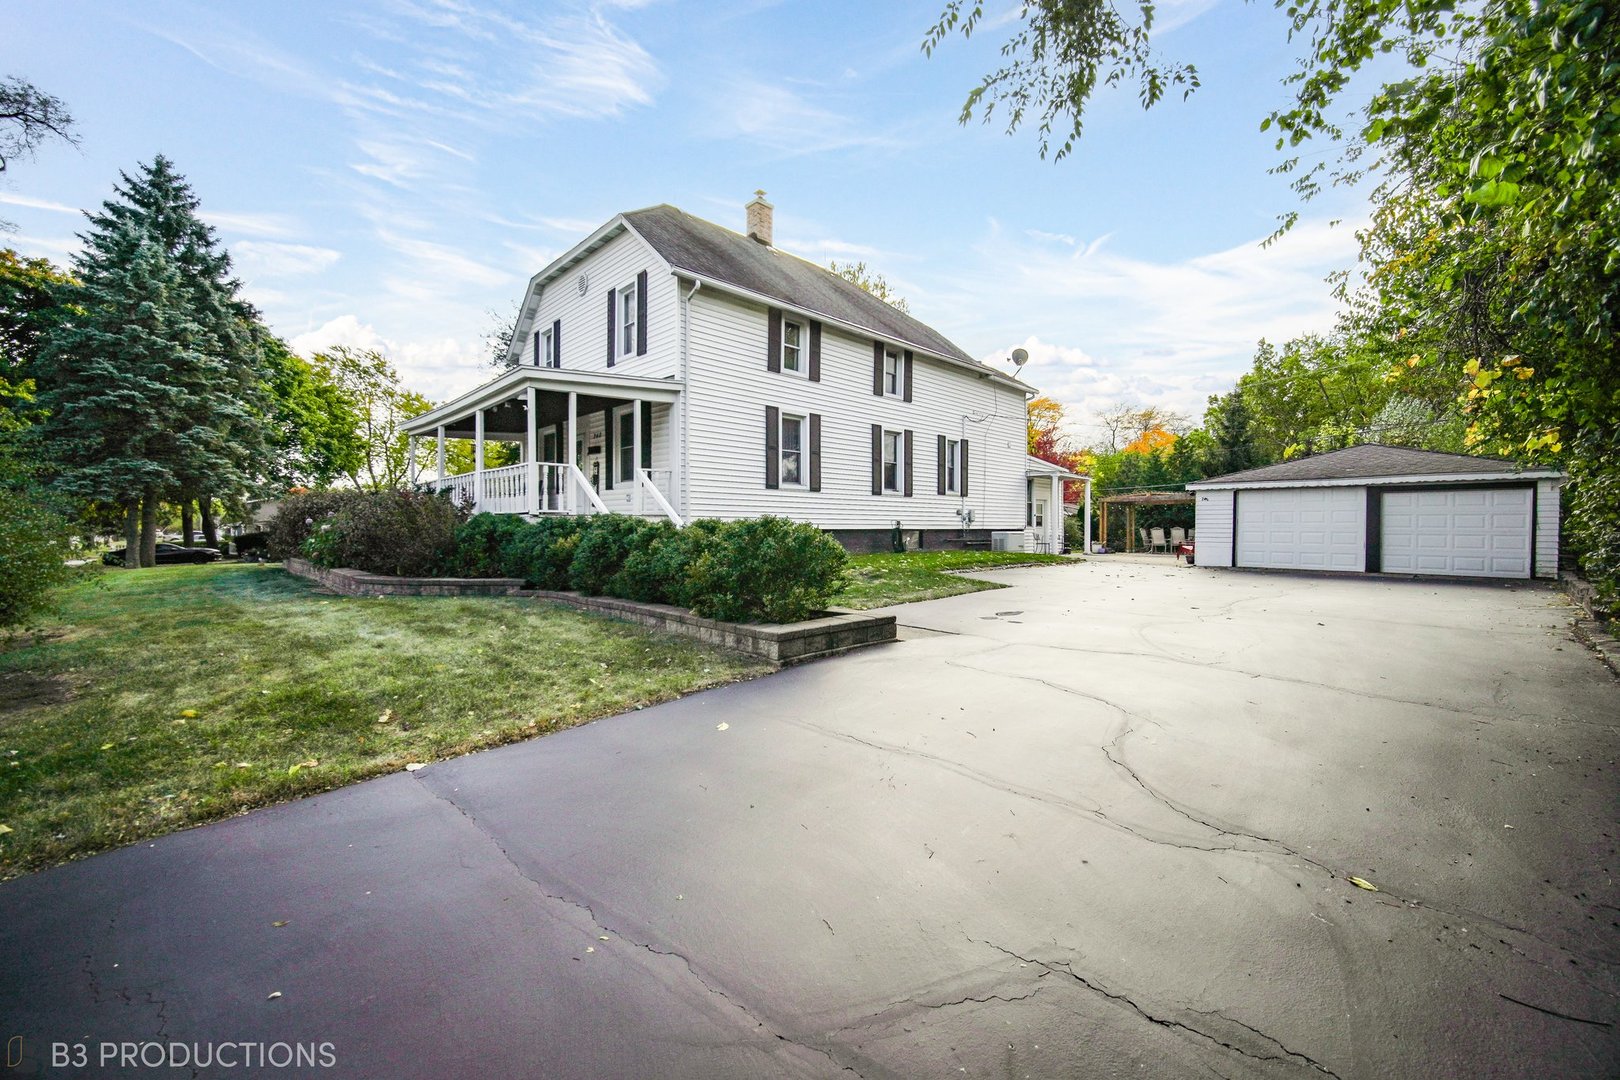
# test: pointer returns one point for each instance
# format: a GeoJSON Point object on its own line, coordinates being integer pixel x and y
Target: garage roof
{"type": "Point", "coordinates": [1375, 461]}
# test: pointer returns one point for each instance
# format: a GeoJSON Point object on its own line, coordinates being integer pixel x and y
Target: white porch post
{"type": "Point", "coordinates": [635, 451]}
{"type": "Point", "coordinates": [441, 456]}
{"type": "Point", "coordinates": [1087, 530]}
{"type": "Point", "coordinates": [478, 460]}
{"type": "Point", "coordinates": [533, 451]}
{"type": "Point", "coordinates": [1055, 536]}
{"type": "Point", "coordinates": [572, 450]}
{"type": "Point", "coordinates": [410, 460]}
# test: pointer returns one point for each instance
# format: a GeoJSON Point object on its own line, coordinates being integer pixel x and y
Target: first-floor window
{"type": "Point", "coordinates": [792, 449]}
{"type": "Point", "coordinates": [891, 460]}
{"type": "Point", "coordinates": [626, 444]}
{"type": "Point", "coordinates": [953, 466]}
{"type": "Point", "coordinates": [1039, 514]}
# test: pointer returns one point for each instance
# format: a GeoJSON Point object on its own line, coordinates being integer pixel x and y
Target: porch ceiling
{"type": "Point", "coordinates": [502, 399]}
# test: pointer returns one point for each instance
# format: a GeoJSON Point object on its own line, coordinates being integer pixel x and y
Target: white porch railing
{"type": "Point", "coordinates": [651, 484]}
{"type": "Point", "coordinates": [562, 489]}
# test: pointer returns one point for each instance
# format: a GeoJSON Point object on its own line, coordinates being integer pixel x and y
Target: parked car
{"type": "Point", "coordinates": [168, 554]}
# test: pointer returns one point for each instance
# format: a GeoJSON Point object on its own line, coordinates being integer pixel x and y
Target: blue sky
{"type": "Point", "coordinates": [386, 171]}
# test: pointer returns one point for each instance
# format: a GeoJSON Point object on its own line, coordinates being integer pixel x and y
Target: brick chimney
{"type": "Point", "coordinates": [759, 219]}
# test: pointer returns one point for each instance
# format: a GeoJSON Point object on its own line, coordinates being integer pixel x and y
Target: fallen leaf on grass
{"type": "Point", "coordinates": [413, 766]}
{"type": "Point", "coordinates": [387, 717]}
{"type": "Point", "coordinates": [106, 746]}
{"type": "Point", "coordinates": [273, 995]}
{"type": "Point", "coordinates": [281, 922]}
{"type": "Point", "coordinates": [1362, 883]}
{"type": "Point", "coordinates": [189, 714]}
{"type": "Point", "coordinates": [4, 829]}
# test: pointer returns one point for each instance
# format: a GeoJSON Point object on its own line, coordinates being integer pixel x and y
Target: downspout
{"type": "Point", "coordinates": [686, 398]}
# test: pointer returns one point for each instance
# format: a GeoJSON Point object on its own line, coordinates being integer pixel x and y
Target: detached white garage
{"type": "Point", "coordinates": [1383, 509]}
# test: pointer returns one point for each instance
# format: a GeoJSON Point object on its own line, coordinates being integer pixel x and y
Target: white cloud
{"type": "Point", "coordinates": [268, 258]}
{"type": "Point", "coordinates": [439, 368]}
{"type": "Point", "coordinates": [248, 224]}
{"type": "Point", "coordinates": [37, 204]}
{"type": "Point", "coordinates": [785, 121]}
{"type": "Point", "coordinates": [443, 265]}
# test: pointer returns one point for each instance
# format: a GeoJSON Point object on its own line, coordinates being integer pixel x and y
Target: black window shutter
{"type": "Point", "coordinates": [877, 457]}
{"type": "Point", "coordinates": [815, 451]}
{"type": "Point", "coordinates": [908, 375]}
{"type": "Point", "coordinates": [773, 447]}
{"type": "Point", "coordinates": [942, 449]}
{"type": "Point", "coordinates": [963, 466]}
{"type": "Point", "coordinates": [815, 352]}
{"type": "Point", "coordinates": [612, 353]}
{"type": "Point", "coordinates": [877, 368]}
{"type": "Point", "coordinates": [556, 343]}
{"type": "Point", "coordinates": [646, 434]}
{"type": "Point", "coordinates": [537, 356]}
{"type": "Point", "coordinates": [773, 339]}
{"type": "Point", "coordinates": [641, 313]}
{"type": "Point", "coordinates": [908, 464]}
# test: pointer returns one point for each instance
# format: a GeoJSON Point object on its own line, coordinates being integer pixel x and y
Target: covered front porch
{"type": "Point", "coordinates": [587, 443]}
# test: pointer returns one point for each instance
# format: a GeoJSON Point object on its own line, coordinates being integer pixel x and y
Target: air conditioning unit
{"type": "Point", "coordinates": [1006, 541]}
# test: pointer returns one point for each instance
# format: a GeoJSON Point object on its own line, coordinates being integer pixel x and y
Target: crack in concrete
{"type": "Point", "coordinates": [1062, 968]}
{"type": "Point", "coordinates": [590, 912]}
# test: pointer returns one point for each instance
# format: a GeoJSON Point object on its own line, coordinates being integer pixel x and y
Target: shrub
{"type": "Point", "coordinates": [33, 554]}
{"type": "Point", "coordinates": [248, 543]}
{"type": "Point", "coordinates": [299, 515]}
{"type": "Point", "coordinates": [603, 547]}
{"type": "Point", "coordinates": [542, 552]}
{"type": "Point", "coordinates": [386, 532]}
{"type": "Point", "coordinates": [654, 570]}
{"type": "Point", "coordinates": [483, 546]}
{"type": "Point", "coordinates": [765, 569]}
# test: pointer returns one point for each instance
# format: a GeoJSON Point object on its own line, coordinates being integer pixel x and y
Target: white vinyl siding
{"type": "Point", "coordinates": [1547, 499]}
{"type": "Point", "coordinates": [1321, 528]}
{"type": "Point", "coordinates": [1461, 532]}
{"type": "Point", "coordinates": [1213, 522]}
{"type": "Point", "coordinates": [584, 317]}
{"type": "Point", "coordinates": [728, 385]}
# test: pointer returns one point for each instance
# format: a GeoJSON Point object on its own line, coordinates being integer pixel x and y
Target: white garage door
{"type": "Point", "coordinates": [1302, 528]}
{"type": "Point", "coordinates": [1483, 532]}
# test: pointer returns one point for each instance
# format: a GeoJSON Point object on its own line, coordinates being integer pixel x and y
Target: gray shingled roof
{"type": "Point", "coordinates": [711, 251]}
{"type": "Point", "coordinates": [1370, 459]}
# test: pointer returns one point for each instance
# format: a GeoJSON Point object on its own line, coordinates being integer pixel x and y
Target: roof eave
{"type": "Point", "coordinates": [554, 269]}
{"type": "Point", "coordinates": [1217, 484]}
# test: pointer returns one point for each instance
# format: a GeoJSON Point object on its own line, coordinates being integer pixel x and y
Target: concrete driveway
{"type": "Point", "coordinates": [1102, 823]}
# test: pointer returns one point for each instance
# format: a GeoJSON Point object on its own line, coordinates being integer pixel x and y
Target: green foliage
{"type": "Point", "coordinates": [486, 546]}
{"type": "Point", "coordinates": [315, 422]}
{"type": "Point", "coordinates": [766, 569]}
{"type": "Point", "coordinates": [603, 547]}
{"type": "Point", "coordinates": [298, 516]}
{"type": "Point", "coordinates": [33, 553]}
{"type": "Point", "coordinates": [655, 568]}
{"type": "Point", "coordinates": [871, 281]}
{"type": "Point", "coordinates": [28, 311]}
{"type": "Point", "coordinates": [366, 379]}
{"type": "Point", "coordinates": [404, 533]}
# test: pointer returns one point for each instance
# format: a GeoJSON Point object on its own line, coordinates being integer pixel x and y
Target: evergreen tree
{"type": "Point", "coordinates": [153, 379]}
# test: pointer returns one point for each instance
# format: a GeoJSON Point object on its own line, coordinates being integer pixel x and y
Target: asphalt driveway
{"type": "Point", "coordinates": [1099, 824]}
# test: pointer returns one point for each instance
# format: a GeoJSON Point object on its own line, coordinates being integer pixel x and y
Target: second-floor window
{"type": "Point", "coordinates": [893, 373]}
{"type": "Point", "coordinates": [627, 321]}
{"type": "Point", "coordinates": [793, 347]}
{"type": "Point", "coordinates": [548, 349]}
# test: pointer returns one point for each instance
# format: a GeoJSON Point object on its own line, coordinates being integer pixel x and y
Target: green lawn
{"type": "Point", "coordinates": [880, 580]}
{"type": "Point", "coordinates": [166, 697]}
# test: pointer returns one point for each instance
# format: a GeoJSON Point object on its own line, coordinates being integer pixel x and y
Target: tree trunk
{"type": "Point", "coordinates": [185, 521]}
{"type": "Point", "coordinates": [149, 526]}
{"type": "Point", "coordinates": [132, 534]}
{"type": "Point", "coordinates": [210, 527]}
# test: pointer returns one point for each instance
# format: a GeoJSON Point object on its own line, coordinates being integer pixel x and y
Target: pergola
{"type": "Point", "coordinates": [1131, 500]}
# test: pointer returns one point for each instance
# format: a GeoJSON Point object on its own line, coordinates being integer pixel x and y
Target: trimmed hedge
{"type": "Point", "coordinates": [33, 559]}
{"type": "Point", "coordinates": [764, 569]}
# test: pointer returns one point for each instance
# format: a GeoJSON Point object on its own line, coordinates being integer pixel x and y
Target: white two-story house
{"type": "Point", "coordinates": [667, 366]}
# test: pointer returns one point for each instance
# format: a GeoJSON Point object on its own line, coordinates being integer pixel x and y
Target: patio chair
{"type": "Point", "coordinates": [1142, 536]}
{"type": "Point", "coordinates": [1178, 536]}
{"type": "Point", "coordinates": [1157, 542]}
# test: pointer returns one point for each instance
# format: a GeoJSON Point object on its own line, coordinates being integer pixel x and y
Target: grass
{"type": "Point", "coordinates": [166, 697]}
{"type": "Point", "coordinates": [880, 580]}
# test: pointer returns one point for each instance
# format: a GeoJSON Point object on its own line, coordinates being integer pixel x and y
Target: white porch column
{"type": "Point", "coordinates": [441, 456]}
{"type": "Point", "coordinates": [410, 460]}
{"type": "Point", "coordinates": [533, 453]}
{"type": "Point", "coordinates": [478, 460]}
{"type": "Point", "coordinates": [1086, 532]}
{"type": "Point", "coordinates": [635, 451]}
{"type": "Point", "coordinates": [1055, 545]}
{"type": "Point", "coordinates": [572, 451]}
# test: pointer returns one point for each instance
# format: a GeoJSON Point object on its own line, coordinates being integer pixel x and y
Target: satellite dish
{"type": "Point", "coordinates": [1020, 357]}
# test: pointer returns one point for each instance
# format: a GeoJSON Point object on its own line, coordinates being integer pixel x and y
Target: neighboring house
{"type": "Point", "coordinates": [1386, 509]}
{"type": "Point", "coordinates": [669, 367]}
